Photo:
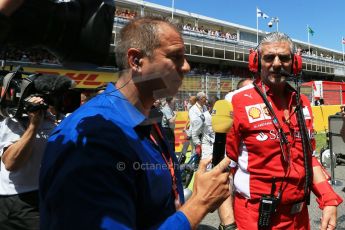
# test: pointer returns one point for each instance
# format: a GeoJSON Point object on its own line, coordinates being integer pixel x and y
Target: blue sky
{"type": "Point", "coordinates": [326, 18]}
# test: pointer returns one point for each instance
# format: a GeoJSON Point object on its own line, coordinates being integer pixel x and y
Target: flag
{"type": "Point", "coordinates": [310, 30]}
{"type": "Point", "coordinates": [261, 14]}
{"type": "Point", "coordinates": [343, 40]}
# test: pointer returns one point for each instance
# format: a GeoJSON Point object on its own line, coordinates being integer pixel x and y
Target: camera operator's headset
{"type": "Point", "coordinates": [255, 62]}
{"type": "Point", "coordinates": [26, 85]}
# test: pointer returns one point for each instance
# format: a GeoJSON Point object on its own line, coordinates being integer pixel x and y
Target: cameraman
{"type": "Point", "coordinates": [22, 142]}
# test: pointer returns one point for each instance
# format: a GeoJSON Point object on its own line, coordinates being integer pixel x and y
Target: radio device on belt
{"type": "Point", "coordinates": [268, 206]}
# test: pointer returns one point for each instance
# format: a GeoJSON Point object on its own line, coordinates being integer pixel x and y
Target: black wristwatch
{"type": "Point", "coordinates": [232, 226]}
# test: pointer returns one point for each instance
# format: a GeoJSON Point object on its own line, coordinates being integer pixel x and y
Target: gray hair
{"type": "Point", "coordinates": [277, 37]}
{"type": "Point", "coordinates": [141, 33]}
{"type": "Point", "coordinates": [200, 95]}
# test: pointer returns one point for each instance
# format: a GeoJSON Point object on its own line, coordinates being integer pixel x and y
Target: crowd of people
{"type": "Point", "coordinates": [126, 14]}
{"type": "Point", "coordinates": [30, 55]}
{"type": "Point", "coordinates": [318, 55]}
{"type": "Point", "coordinates": [209, 32]}
{"type": "Point", "coordinates": [111, 165]}
{"type": "Point", "coordinates": [129, 15]}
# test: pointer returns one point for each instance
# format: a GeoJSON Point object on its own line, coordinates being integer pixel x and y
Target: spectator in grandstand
{"type": "Point", "coordinates": [36, 55]}
{"type": "Point", "coordinates": [269, 146]}
{"type": "Point", "coordinates": [209, 32]}
{"type": "Point", "coordinates": [125, 14]}
{"type": "Point", "coordinates": [105, 167]}
{"type": "Point", "coordinates": [22, 142]}
{"type": "Point", "coordinates": [168, 120]}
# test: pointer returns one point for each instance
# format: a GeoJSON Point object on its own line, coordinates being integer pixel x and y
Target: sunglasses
{"type": "Point", "coordinates": [282, 57]}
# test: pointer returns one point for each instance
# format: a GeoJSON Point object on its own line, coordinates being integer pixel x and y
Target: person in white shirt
{"type": "Point", "coordinates": [22, 142]}
{"type": "Point", "coordinates": [202, 134]}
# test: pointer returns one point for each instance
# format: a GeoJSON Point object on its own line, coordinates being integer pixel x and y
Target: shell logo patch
{"type": "Point", "coordinates": [254, 113]}
{"type": "Point", "coordinates": [257, 112]}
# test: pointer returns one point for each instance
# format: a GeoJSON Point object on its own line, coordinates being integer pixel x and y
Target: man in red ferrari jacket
{"type": "Point", "coordinates": [266, 143]}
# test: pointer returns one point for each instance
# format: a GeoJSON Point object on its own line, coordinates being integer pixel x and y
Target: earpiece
{"type": "Point", "coordinates": [136, 61]}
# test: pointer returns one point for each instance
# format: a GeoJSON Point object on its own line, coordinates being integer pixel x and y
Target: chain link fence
{"type": "Point", "coordinates": [217, 86]}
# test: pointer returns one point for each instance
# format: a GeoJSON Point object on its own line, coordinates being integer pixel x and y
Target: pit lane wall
{"type": "Point", "coordinates": [321, 114]}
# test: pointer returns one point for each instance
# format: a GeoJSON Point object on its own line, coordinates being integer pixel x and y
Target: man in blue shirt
{"type": "Point", "coordinates": [108, 165]}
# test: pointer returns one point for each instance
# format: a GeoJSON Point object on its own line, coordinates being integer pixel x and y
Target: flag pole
{"type": "Point", "coordinates": [308, 39]}
{"type": "Point", "coordinates": [172, 8]}
{"type": "Point", "coordinates": [257, 27]}
{"type": "Point", "coordinates": [342, 42]}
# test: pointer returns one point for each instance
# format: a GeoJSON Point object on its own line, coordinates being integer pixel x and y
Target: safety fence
{"type": "Point", "coordinates": [212, 86]}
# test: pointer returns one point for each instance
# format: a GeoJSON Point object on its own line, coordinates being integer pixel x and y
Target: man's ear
{"type": "Point", "coordinates": [134, 59]}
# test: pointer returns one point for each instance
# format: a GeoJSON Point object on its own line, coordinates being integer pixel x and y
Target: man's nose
{"type": "Point", "coordinates": [185, 67]}
{"type": "Point", "coordinates": [276, 61]}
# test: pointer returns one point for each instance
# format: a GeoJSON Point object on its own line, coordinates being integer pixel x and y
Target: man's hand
{"type": "Point", "coordinates": [210, 189]}
{"type": "Point", "coordinates": [212, 186]}
{"type": "Point", "coordinates": [36, 117]}
{"type": "Point", "coordinates": [329, 218]}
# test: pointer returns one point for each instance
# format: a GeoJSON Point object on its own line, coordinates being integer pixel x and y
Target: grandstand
{"type": "Point", "coordinates": [217, 42]}
{"type": "Point", "coordinates": [216, 50]}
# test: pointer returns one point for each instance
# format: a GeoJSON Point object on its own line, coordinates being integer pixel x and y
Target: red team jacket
{"type": "Point", "coordinates": [254, 144]}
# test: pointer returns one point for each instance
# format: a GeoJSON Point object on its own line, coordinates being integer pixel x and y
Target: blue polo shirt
{"type": "Point", "coordinates": [101, 171]}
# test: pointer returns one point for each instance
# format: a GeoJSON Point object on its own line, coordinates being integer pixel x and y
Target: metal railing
{"type": "Point", "coordinates": [204, 45]}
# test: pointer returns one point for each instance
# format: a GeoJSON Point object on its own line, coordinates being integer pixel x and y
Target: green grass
{"type": "Point", "coordinates": [320, 139]}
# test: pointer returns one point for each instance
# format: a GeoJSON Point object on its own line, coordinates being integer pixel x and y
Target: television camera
{"type": "Point", "coordinates": [19, 86]}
